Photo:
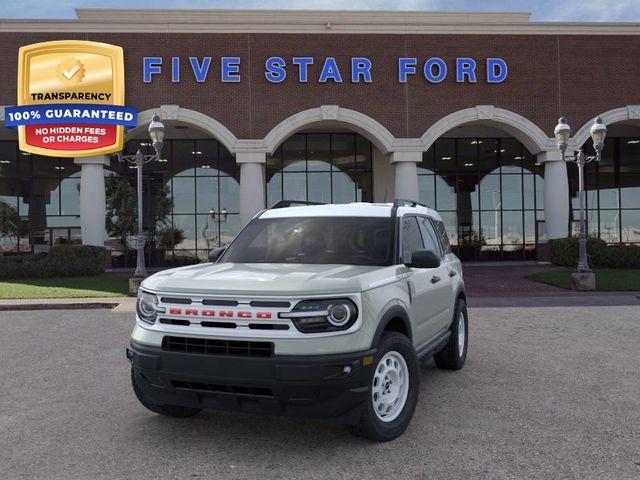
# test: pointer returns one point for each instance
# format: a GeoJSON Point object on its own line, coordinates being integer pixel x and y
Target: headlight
{"type": "Point", "coordinates": [147, 306]}
{"type": "Point", "coordinates": [315, 316]}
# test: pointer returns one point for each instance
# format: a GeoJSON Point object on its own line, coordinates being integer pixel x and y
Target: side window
{"type": "Point", "coordinates": [429, 236]}
{"type": "Point", "coordinates": [411, 238]}
{"type": "Point", "coordinates": [444, 238]}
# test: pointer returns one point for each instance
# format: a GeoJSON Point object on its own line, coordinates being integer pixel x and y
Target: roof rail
{"type": "Point", "coordinates": [290, 203]}
{"type": "Point", "coordinates": [401, 202]}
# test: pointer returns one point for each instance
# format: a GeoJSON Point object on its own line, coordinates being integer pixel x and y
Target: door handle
{"type": "Point", "coordinates": [435, 279]}
{"type": "Point", "coordinates": [452, 273]}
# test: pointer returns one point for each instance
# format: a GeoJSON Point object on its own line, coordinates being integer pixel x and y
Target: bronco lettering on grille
{"type": "Point", "coordinates": [194, 312]}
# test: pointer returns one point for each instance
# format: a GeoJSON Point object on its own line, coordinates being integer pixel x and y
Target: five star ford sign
{"type": "Point", "coordinates": [71, 99]}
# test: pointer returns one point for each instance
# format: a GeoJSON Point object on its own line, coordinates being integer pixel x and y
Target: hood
{"type": "Point", "coordinates": [268, 279]}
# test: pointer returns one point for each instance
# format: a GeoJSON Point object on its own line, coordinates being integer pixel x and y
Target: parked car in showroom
{"type": "Point", "coordinates": [313, 310]}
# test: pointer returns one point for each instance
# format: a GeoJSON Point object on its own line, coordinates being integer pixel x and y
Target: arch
{"type": "Point", "coordinates": [382, 138]}
{"type": "Point", "coordinates": [527, 132]}
{"type": "Point", "coordinates": [197, 119]}
{"type": "Point", "coordinates": [622, 114]}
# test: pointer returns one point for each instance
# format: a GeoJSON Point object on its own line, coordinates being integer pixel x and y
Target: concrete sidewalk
{"type": "Point", "coordinates": [567, 299]}
{"type": "Point", "coordinates": [487, 285]}
{"type": "Point", "coordinates": [118, 304]}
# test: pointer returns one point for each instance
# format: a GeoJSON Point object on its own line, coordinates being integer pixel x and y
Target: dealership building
{"type": "Point", "coordinates": [455, 110]}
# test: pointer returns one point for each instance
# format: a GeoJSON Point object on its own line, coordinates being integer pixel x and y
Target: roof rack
{"type": "Point", "coordinates": [290, 203]}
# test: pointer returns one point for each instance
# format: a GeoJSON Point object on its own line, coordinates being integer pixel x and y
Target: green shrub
{"type": "Point", "coordinates": [564, 252]}
{"type": "Point", "coordinates": [179, 260]}
{"type": "Point", "coordinates": [618, 256]}
{"type": "Point", "coordinates": [61, 261]}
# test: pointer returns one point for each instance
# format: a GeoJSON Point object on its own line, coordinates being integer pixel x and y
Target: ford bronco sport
{"type": "Point", "coordinates": [316, 310]}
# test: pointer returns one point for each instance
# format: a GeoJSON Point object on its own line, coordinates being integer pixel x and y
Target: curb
{"type": "Point", "coordinates": [577, 299]}
{"type": "Point", "coordinates": [57, 306]}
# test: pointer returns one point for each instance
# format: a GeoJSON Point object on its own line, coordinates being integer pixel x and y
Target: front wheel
{"type": "Point", "coordinates": [454, 354]}
{"type": "Point", "coordinates": [393, 390]}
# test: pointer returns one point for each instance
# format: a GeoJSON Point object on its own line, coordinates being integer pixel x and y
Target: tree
{"type": "Point", "coordinates": [9, 222]}
{"type": "Point", "coordinates": [122, 208]}
{"type": "Point", "coordinates": [169, 237]}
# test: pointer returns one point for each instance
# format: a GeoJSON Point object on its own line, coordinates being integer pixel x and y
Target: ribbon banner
{"type": "Point", "coordinates": [70, 127]}
{"type": "Point", "coordinates": [70, 113]}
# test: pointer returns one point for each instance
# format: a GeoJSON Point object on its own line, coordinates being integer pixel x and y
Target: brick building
{"type": "Point", "coordinates": [456, 110]}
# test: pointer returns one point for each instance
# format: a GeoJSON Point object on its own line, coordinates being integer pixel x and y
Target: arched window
{"type": "Point", "coordinates": [191, 199]}
{"type": "Point", "coordinates": [320, 167]}
{"type": "Point", "coordinates": [489, 194]}
{"type": "Point", "coordinates": [612, 188]}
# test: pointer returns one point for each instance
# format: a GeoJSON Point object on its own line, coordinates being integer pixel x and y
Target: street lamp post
{"type": "Point", "coordinates": [156, 133]}
{"type": "Point", "coordinates": [562, 133]}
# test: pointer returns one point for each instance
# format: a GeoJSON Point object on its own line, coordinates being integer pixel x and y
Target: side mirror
{"type": "Point", "coordinates": [424, 259]}
{"type": "Point", "coordinates": [216, 253]}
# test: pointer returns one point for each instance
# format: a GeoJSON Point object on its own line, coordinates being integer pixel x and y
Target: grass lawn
{"type": "Point", "coordinates": [69, 287]}
{"type": "Point", "coordinates": [607, 279]}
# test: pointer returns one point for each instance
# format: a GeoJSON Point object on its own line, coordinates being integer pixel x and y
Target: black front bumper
{"type": "Point", "coordinates": [324, 386]}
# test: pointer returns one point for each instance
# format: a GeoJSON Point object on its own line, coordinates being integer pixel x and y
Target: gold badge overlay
{"type": "Point", "coordinates": [76, 67]}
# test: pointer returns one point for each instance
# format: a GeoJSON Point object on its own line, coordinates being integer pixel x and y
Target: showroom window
{"type": "Point", "coordinates": [321, 167]}
{"type": "Point", "coordinates": [39, 201]}
{"type": "Point", "coordinates": [191, 201]}
{"type": "Point", "coordinates": [489, 193]}
{"type": "Point", "coordinates": [612, 189]}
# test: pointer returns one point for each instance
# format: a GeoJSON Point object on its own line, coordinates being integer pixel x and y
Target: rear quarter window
{"type": "Point", "coordinates": [444, 238]}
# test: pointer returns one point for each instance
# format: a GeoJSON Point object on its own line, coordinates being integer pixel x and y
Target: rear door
{"type": "Point", "coordinates": [443, 293]}
{"type": "Point", "coordinates": [443, 287]}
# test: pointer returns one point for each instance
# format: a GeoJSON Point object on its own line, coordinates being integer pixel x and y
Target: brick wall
{"type": "Point", "coordinates": [578, 76]}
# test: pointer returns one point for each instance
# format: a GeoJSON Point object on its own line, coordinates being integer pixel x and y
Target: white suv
{"type": "Point", "coordinates": [316, 310]}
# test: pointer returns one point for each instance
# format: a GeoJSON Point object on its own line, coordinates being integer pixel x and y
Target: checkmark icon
{"type": "Point", "coordinates": [71, 73]}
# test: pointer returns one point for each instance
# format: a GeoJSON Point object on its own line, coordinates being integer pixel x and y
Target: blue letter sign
{"type": "Point", "coordinates": [323, 70]}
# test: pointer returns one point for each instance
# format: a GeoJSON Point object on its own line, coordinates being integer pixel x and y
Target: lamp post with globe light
{"type": "Point", "coordinates": [156, 133]}
{"type": "Point", "coordinates": [583, 278]}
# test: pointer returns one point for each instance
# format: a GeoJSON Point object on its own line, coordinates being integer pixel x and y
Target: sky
{"type": "Point", "coordinates": [542, 10]}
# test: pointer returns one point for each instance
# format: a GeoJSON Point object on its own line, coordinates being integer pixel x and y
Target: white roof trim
{"type": "Point", "coordinates": [311, 21]}
{"type": "Point", "coordinates": [199, 15]}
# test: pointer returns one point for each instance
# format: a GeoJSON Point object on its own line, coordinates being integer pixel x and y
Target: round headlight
{"type": "Point", "coordinates": [339, 314]}
{"type": "Point", "coordinates": [147, 306]}
{"type": "Point", "coordinates": [323, 315]}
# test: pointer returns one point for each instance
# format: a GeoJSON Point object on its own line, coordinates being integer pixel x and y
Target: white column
{"type": "Point", "coordinates": [406, 170]}
{"type": "Point", "coordinates": [556, 194]}
{"type": "Point", "coordinates": [252, 188]}
{"type": "Point", "coordinates": [93, 209]}
{"type": "Point", "coordinates": [383, 177]}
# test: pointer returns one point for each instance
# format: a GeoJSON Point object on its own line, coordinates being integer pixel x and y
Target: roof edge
{"type": "Point", "coordinates": [262, 16]}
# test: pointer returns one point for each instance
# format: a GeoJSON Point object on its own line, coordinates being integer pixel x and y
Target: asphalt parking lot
{"type": "Point", "coordinates": [548, 393]}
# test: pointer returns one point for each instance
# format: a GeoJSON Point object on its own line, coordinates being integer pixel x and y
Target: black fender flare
{"type": "Point", "coordinates": [460, 295]}
{"type": "Point", "coordinates": [396, 311]}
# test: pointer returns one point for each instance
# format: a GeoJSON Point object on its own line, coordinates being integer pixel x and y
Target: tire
{"type": "Point", "coordinates": [166, 410]}
{"type": "Point", "coordinates": [454, 354]}
{"type": "Point", "coordinates": [395, 354]}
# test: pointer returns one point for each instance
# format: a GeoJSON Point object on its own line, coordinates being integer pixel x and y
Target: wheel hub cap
{"type": "Point", "coordinates": [390, 386]}
{"type": "Point", "coordinates": [461, 334]}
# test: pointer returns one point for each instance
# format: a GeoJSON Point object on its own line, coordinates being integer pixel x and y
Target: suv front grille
{"type": "Point", "coordinates": [218, 347]}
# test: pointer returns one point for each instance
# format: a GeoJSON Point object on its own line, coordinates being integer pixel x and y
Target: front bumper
{"type": "Point", "coordinates": [319, 386]}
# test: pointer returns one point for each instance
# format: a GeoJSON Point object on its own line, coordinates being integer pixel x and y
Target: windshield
{"type": "Point", "coordinates": [324, 240]}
